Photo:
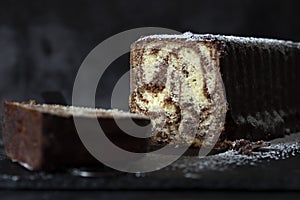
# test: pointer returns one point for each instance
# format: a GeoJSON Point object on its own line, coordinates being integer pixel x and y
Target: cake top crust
{"type": "Point", "coordinates": [188, 36]}
{"type": "Point", "coordinates": [69, 111]}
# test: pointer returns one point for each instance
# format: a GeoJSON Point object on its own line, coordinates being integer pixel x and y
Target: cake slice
{"type": "Point", "coordinates": [201, 88]}
{"type": "Point", "coordinates": [44, 137]}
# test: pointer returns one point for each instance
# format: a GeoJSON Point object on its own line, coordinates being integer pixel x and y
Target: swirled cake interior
{"type": "Point", "coordinates": [169, 84]}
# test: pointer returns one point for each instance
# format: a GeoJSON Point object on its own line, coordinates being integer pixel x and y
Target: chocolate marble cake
{"type": "Point", "coordinates": [212, 85]}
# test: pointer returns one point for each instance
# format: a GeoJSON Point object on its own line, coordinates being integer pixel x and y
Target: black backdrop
{"type": "Point", "coordinates": [42, 43]}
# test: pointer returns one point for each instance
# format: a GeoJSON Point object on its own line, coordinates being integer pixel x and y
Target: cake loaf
{"type": "Point", "coordinates": [44, 137]}
{"type": "Point", "coordinates": [215, 87]}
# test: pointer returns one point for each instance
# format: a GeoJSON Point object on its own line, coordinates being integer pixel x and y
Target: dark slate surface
{"type": "Point", "coordinates": [272, 169]}
{"type": "Point", "coordinates": [147, 195]}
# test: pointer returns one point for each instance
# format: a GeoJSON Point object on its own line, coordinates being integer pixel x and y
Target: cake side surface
{"type": "Point", "coordinates": [21, 136]}
{"type": "Point", "coordinates": [262, 88]}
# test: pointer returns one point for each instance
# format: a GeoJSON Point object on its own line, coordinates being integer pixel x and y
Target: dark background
{"type": "Point", "coordinates": [42, 43]}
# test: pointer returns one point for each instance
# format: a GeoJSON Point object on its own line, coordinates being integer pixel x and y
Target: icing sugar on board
{"type": "Point", "coordinates": [274, 167]}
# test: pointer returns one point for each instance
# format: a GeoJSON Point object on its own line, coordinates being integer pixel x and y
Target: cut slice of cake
{"type": "Point", "coordinates": [44, 137]}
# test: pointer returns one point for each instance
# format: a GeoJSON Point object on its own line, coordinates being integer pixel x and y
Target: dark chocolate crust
{"type": "Point", "coordinates": [260, 78]}
{"type": "Point", "coordinates": [257, 81]}
{"type": "Point", "coordinates": [45, 141]}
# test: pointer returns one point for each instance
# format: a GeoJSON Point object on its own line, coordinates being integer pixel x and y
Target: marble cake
{"type": "Point", "coordinates": [198, 88]}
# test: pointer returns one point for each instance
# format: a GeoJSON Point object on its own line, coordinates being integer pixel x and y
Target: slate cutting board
{"type": "Point", "coordinates": [275, 168]}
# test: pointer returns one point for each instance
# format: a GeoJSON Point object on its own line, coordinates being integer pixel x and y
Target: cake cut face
{"type": "Point", "coordinates": [174, 82]}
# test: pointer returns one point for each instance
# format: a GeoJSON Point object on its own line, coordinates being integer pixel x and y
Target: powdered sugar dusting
{"type": "Point", "coordinates": [188, 36]}
{"type": "Point", "coordinates": [25, 165]}
{"type": "Point", "coordinates": [68, 111]}
{"type": "Point", "coordinates": [282, 148]}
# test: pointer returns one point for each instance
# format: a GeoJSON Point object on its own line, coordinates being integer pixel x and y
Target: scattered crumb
{"type": "Point", "coordinates": [247, 147]}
